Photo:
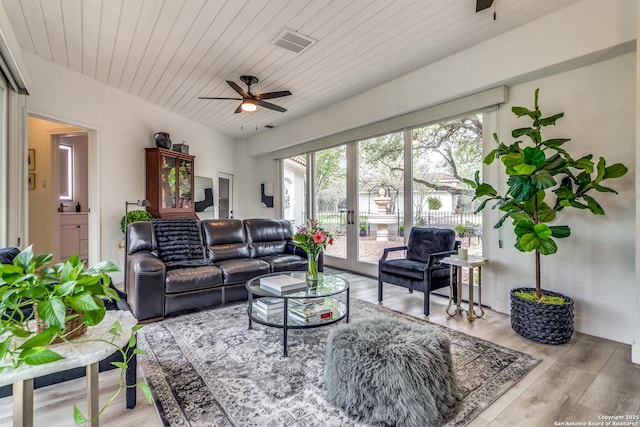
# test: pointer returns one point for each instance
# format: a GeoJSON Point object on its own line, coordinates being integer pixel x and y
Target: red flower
{"type": "Point", "coordinates": [318, 237]}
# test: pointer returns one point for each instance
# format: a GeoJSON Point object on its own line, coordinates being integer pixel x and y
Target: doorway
{"type": "Point", "coordinates": [225, 195]}
{"type": "Point", "coordinates": [58, 164]}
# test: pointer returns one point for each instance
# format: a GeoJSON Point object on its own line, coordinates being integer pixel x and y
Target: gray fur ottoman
{"type": "Point", "coordinates": [391, 373]}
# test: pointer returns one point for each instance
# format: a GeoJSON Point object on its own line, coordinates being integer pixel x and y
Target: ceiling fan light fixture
{"type": "Point", "coordinates": [248, 106]}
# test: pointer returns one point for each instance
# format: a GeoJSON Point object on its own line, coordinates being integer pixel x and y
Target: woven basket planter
{"type": "Point", "coordinates": [543, 323]}
{"type": "Point", "coordinates": [73, 327]}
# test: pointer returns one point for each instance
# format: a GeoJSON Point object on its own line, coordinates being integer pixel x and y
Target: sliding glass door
{"type": "Point", "coordinates": [368, 192]}
{"type": "Point", "coordinates": [357, 191]}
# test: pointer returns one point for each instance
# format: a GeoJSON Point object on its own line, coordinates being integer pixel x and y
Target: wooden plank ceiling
{"type": "Point", "coordinates": [169, 52]}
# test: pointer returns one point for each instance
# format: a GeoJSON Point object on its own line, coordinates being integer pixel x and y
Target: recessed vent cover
{"type": "Point", "coordinates": [293, 41]}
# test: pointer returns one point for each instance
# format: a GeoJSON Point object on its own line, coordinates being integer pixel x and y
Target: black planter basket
{"type": "Point", "coordinates": [543, 323]}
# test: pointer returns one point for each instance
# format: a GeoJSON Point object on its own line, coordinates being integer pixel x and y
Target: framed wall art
{"type": "Point", "coordinates": [32, 181]}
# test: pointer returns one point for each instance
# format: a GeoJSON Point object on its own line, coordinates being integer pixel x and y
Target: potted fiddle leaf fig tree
{"type": "Point", "coordinates": [542, 180]}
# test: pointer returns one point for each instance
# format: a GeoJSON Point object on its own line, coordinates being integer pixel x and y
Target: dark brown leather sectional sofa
{"type": "Point", "coordinates": [235, 251]}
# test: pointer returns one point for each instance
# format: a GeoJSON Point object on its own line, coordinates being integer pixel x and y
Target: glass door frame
{"type": "Point", "coordinates": [352, 261]}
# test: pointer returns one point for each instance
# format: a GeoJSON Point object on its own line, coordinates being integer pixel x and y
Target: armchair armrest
{"type": "Point", "coordinates": [434, 258]}
{"type": "Point", "coordinates": [385, 254]}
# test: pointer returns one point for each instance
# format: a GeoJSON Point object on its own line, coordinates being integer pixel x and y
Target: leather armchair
{"type": "Point", "coordinates": [420, 269]}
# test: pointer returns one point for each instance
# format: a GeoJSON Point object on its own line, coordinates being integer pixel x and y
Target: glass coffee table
{"type": "Point", "coordinates": [330, 294]}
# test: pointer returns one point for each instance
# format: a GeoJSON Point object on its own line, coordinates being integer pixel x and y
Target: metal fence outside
{"type": "Point", "coordinates": [336, 222]}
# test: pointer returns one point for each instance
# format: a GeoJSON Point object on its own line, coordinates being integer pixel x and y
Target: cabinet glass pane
{"type": "Point", "coordinates": [186, 178]}
{"type": "Point", "coordinates": [168, 182]}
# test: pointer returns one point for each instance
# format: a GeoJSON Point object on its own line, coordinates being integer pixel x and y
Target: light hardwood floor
{"type": "Point", "coordinates": [577, 382]}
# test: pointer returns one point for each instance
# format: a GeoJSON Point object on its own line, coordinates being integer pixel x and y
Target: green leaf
{"type": "Point", "coordinates": [524, 169]}
{"type": "Point", "coordinates": [104, 267]}
{"type": "Point", "coordinates": [542, 231]}
{"type": "Point", "coordinates": [489, 158]}
{"type": "Point", "coordinates": [524, 227]}
{"type": "Point", "coordinates": [519, 217]}
{"type": "Point", "coordinates": [121, 365]}
{"type": "Point", "coordinates": [24, 260]}
{"type": "Point", "coordinates": [485, 190]}
{"type": "Point", "coordinates": [116, 328]}
{"type": "Point", "coordinates": [78, 418]}
{"type": "Point", "coordinates": [4, 346]}
{"type": "Point", "coordinates": [593, 205]}
{"type": "Point", "coordinates": [501, 220]}
{"type": "Point", "coordinates": [586, 164]}
{"type": "Point", "coordinates": [560, 231]}
{"type": "Point", "coordinates": [534, 156]}
{"type": "Point", "coordinates": [532, 133]}
{"type": "Point", "coordinates": [82, 301]}
{"type": "Point", "coordinates": [65, 288]}
{"type": "Point", "coordinates": [604, 189]}
{"type": "Point", "coordinates": [41, 339]}
{"type": "Point", "coordinates": [147, 392]}
{"type": "Point", "coordinates": [615, 171]}
{"type": "Point", "coordinates": [39, 356]}
{"type": "Point", "coordinates": [93, 317]}
{"type": "Point", "coordinates": [528, 242]}
{"type": "Point", "coordinates": [512, 159]}
{"type": "Point", "coordinates": [547, 247]}
{"type": "Point", "coordinates": [52, 312]}
{"type": "Point", "coordinates": [555, 142]}
{"type": "Point", "coordinates": [555, 164]}
{"type": "Point", "coordinates": [521, 188]}
{"type": "Point", "coordinates": [542, 180]}
{"type": "Point", "coordinates": [551, 120]}
{"type": "Point", "coordinates": [522, 111]}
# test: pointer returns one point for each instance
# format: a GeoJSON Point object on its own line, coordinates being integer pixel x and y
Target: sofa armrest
{"type": "Point", "coordinates": [145, 286]}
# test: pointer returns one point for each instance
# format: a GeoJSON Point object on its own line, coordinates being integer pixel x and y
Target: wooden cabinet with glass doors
{"type": "Point", "coordinates": [170, 184]}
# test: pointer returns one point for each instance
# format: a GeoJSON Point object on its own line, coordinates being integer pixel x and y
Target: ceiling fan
{"type": "Point", "coordinates": [250, 101]}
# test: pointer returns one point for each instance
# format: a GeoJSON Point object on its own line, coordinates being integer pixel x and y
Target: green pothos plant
{"type": "Point", "coordinates": [29, 286]}
{"type": "Point", "coordinates": [542, 180]}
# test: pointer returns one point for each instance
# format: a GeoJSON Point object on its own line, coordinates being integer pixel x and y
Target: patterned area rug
{"type": "Point", "coordinates": [207, 369]}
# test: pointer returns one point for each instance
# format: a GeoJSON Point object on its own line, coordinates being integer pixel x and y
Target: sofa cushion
{"type": "Point", "coordinates": [242, 269]}
{"type": "Point", "coordinates": [140, 237]}
{"type": "Point", "coordinates": [404, 267]}
{"type": "Point", "coordinates": [426, 241]}
{"type": "Point", "coordinates": [286, 262]}
{"type": "Point", "coordinates": [225, 239]}
{"type": "Point", "coordinates": [192, 279]}
{"type": "Point", "coordinates": [267, 236]}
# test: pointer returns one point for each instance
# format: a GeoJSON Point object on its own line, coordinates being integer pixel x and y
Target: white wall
{"type": "Point", "coordinates": [124, 126]}
{"type": "Point", "coordinates": [596, 265]}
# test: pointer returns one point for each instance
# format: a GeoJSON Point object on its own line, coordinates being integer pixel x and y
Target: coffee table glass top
{"type": "Point", "coordinates": [326, 285]}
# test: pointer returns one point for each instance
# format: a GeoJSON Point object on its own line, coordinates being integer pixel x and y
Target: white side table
{"type": "Point", "coordinates": [81, 351]}
{"type": "Point", "coordinates": [471, 262]}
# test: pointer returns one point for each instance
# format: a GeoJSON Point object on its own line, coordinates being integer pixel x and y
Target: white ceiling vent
{"type": "Point", "coordinates": [293, 41]}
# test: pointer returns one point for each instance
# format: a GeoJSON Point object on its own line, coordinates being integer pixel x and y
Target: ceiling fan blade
{"type": "Point", "coordinates": [211, 97]}
{"type": "Point", "coordinates": [238, 89]}
{"type": "Point", "coordinates": [239, 109]}
{"type": "Point", "coordinates": [270, 105]}
{"type": "Point", "coordinates": [271, 95]}
{"type": "Point", "coordinates": [483, 4]}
